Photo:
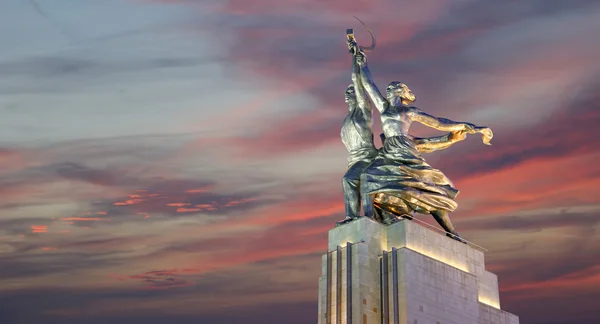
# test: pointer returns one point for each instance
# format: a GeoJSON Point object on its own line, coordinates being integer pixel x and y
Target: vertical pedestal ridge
{"type": "Point", "coordinates": [405, 274]}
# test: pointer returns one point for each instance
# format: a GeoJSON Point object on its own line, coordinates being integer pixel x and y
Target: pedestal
{"type": "Point", "coordinates": [405, 273]}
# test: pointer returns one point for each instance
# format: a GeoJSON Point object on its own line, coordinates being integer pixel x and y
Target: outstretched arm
{"type": "Point", "coordinates": [442, 124]}
{"type": "Point", "coordinates": [436, 143]}
{"type": "Point", "coordinates": [432, 144]}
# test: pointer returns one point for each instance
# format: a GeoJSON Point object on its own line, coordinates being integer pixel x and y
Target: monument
{"type": "Point", "coordinates": [382, 266]}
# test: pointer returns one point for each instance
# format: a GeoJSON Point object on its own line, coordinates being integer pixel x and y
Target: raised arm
{"type": "Point", "coordinates": [359, 90]}
{"type": "Point", "coordinates": [442, 124]}
{"type": "Point", "coordinates": [366, 80]}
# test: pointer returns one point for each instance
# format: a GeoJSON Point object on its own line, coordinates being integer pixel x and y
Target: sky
{"type": "Point", "coordinates": [169, 161]}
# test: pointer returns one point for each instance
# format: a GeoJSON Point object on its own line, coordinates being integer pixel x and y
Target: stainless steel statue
{"type": "Point", "coordinates": [357, 136]}
{"type": "Point", "coordinates": [395, 181]}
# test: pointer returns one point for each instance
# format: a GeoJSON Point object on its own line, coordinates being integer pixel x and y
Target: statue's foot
{"type": "Point", "coordinates": [393, 219]}
{"type": "Point", "coordinates": [456, 237]}
{"type": "Point", "coordinates": [347, 220]}
{"type": "Point", "coordinates": [407, 216]}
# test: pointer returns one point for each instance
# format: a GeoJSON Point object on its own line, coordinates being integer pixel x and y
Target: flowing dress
{"type": "Point", "coordinates": [400, 171]}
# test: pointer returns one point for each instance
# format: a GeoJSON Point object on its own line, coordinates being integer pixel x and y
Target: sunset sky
{"type": "Point", "coordinates": [179, 161]}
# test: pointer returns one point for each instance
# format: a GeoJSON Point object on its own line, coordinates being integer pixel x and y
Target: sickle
{"type": "Point", "coordinates": [372, 47]}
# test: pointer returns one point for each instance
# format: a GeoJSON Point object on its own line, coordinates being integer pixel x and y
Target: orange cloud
{"type": "Point", "coordinates": [128, 202]}
{"type": "Point", "coordinates": [238, 202]}
{"type": "Point", "coordinates": [199, 190]}
{"type": "Point", "coordinates": [91, 219]}
{"type": "Point", "coordinates": [206, 206]}
{"type": "Point", "coordinates": [177, 204]}
{"type": "Point", "coordinates": [39, 228]}
{"type": "Point", "coordinates": [188, 210]}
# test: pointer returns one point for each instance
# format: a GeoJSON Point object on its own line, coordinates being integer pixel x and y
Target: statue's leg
{"type": "Point", "coordinates": [351, 188]}
{"type": "Point", "coordinates": [441, 216]}
{"type": "Point", "coordinates": [367, 204]}
{"type": "Point", "coordinates": [366, 199]}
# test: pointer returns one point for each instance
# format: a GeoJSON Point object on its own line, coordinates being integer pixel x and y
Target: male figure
{"type": "Point", "coordinates": [357, 136]}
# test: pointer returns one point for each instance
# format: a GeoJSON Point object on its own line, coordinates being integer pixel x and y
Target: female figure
{"type": "Point", "coordinates": [399, 181]}
{"type": "Point", "coordinates": [357, 137]}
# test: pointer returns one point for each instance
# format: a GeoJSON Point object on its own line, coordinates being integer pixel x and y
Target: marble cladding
{"type": "Point", "coordinates": [439, 280]}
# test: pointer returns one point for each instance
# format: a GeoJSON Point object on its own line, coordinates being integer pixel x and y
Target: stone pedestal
{"type": "Point", "coordinates": [405, 273]}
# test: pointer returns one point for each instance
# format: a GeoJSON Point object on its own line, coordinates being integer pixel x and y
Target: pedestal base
{"type": "Point", "coordinates": [405, 273]}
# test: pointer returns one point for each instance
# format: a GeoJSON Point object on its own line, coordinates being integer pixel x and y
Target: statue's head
{"type": "Point", "coordinates": [398, 93]}
{"type": "Point", "coordinates": [350, 96]}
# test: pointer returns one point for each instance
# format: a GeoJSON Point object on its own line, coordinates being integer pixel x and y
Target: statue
{"type": "Point", "coordinates": [395, 181]}
{"type": "Point", "coordinates": [357, 136]}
